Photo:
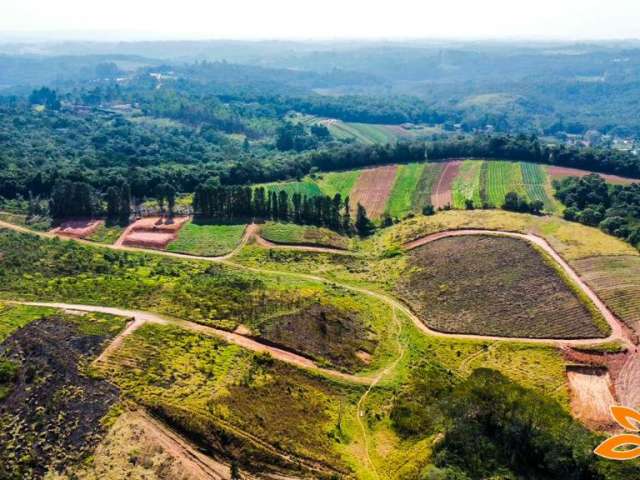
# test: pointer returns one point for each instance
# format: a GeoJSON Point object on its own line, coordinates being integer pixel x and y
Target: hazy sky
{"type": "Point", "coordinates": [558, 19]}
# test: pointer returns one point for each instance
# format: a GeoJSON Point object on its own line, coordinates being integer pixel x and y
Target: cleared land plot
{"type": "Point", "coordinates": [338, 182]}
{"type": "Point", "coordinates": [616, 280]}
{"type": "Point", "coordinates": [466, 185]}
{"type": "Point", "coordinates": [78, 228]}
{"type": "Point", "coordinates": [561, 172]}
{"type": "Point", "coordinates": [591, 396]}
{"type": "Point", "coordinates": [401, 200]}
{"type": "Point", "coordinates": [492, 286]}
{"type": "Point", "coordinates": [289, 233]}
{"type": "Point", "coordinates": [373, 188]}
{"type": "Point", "coordinates": [425, 186]}
{"type": "Point", "coordinates": [153, 232]}
{"type": "Point", "coordinates": [207, 240]}
{"type": "Point", "coordinates": [443, 194]}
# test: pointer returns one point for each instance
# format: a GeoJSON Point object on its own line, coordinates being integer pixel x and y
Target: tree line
{"type": "Point", "coordinates": [215, 202]}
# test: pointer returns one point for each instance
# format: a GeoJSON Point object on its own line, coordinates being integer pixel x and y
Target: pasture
{"type": "Point", "coordinates": [207, 240]}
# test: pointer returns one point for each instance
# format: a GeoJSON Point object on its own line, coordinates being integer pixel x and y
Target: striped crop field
{"type": "Point", "coordinates": [537, 184]}
{"type": "Point", "coordinates": [401, 199]}
{"type": "Point", "coordinates": [502, 178]}
{"type": "Point", "coordinates": [426, 185]}
{"type": "Point", "coordinates": [466, 186]}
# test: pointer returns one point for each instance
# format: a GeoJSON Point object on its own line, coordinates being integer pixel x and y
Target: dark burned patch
{"type": "Point", "coordinates": [51, 417]}
{"type": "Point", "coordinates": [321, 332]}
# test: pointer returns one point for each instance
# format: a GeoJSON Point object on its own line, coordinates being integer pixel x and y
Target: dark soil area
{"type": "Point", "coordinates": [321, 332]}
{"type": "Point", "coordinates": [492, 286]}
{"type": "Point", "coordinates": [51, 416]}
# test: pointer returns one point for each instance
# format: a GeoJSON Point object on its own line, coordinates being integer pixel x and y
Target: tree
{"type": "Point", "coordinates": [125, 204]}
{"type": "Point", "coordinates": [364, 226]}
{"type": "Point", "coordinates": [468, 204]}
{"type": "Point", "coordinates": [428, 209]}
{"type": "Point", "coordinates": [113, 204]}
{"type": "Point", "coordinates": [235, 471]}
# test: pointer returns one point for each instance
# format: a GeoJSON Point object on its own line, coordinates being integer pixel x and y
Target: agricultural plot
{"type": "Point", "coordinates": [290, 233]}
{"type": "Point", "coordinates": [360, 132]}
{"type": "Point", "coordinates": [561, 172]}
{"type": "Point", "coordinates": [493, 286]}
{"type": "Point", "coordinates": [401, 199]}
{"type": "Point", "coordinates": [207, 240]}
{"type": "Point", "coordinates": [501, 178]}
{"type": "Point", "coordinates": [442, 196]}
{"type": "Point", "coordinates": [79, 228]}
{"type": "Point", "coordinates": [537, 184]}
{"type": "Point", "coordinates": [338, 182]}
{"type": "Point", "coordinates": [373, 189]}
{"type": "Point", "coordinates": [616, 280]}
{"type": "Point", "coordinates": [422, 195]}
{"type": "Point", "coordinates": [238, 405]}
{"type": "Point", "coordinates": [306, 187]}
{"type": "Point", "coordinates": [466, 185]}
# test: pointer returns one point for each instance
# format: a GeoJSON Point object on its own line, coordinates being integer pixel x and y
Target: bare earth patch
{"type": "Point", "coordinates": [561, 172]}
{"type": "Point", "coordinates": [152, 232]}
{"type": "Point", "coordinates": [373, 188]}
{"type": "Point", "coordinates": [442, 194]}
{"type": "Point", "coordinates": [77, 228]}
{"type": "Point", "coordinates": [591, 395]}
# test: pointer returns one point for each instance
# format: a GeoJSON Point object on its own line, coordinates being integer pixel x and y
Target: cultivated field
{"type": "Point", "coordinates": [401, 199]}
{"type": "Point", "coordinates": [560, 172]}
{"type": "Point", "coordinates": [591, 395]}
{"type": "Point", "coordinates": [290, 233]}
{"type": "Point", "coordinates": [442, 196]}
{"type": "Point", "coordinates": [338, 182]}
{"type": "Point", "coordinates": [78, 228]}
{"type": "Point", "coordinates": [616, 280]}
{"type": "Point", "coordinates": [373, 189]}
{"type": "Point", "coordinates": [492, 286]}
{"type": "Point", "coordinates": [466, 185]}
{"type": "Point", "coordinates": [207, 240]}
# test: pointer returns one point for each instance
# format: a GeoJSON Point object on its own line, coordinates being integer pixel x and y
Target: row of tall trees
{"type": "Point", "coordinates": [225, 203]}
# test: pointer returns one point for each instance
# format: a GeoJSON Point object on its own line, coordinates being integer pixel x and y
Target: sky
{"type": "Point", "coordinates": [322, 19]}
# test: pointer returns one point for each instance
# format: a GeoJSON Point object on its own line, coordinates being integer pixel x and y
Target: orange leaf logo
{"type": "Point", "coordinates": [610, 448]}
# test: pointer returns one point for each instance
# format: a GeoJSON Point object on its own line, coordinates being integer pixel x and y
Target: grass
{"type": "Point", "coordinates": [494, 286]}
{"type": "Point", "coordinates": [503, 177]}
{"type": "Point", "coordinates": [106, 235]}
{"type": "Point", "coordinates": [424, 187]}
{"type": "Point", "coordinates": [338, 182]}
{"type": "Point", "coordinates": [608, 347]}
{"type": "Point", "coordinates": [306, 187]}
{"type": "Point", "coordinates": [290, 233]}
{"type": "Point", "coordinates": [13, 317]}
{"type": "Point", "coordinates": [207, 240]}
{"type": "Point", "coordinates": [401, 199]}
{"type": "Point", "coordinates": [466, 186]}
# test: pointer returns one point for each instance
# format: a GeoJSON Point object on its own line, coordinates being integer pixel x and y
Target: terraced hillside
{"type": "Point", "coordinates": [493, 286]}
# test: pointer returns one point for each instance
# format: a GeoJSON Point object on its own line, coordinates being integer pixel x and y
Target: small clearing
{"type": "Point", "coordinates": [77, 228]}
{"type": "Point", "coordinates": [591, 395]}
{"type": "Point", "coordinates": [152, 232]}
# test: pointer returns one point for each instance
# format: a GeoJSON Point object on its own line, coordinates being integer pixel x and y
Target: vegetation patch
{"type": "Point", "coordinates": [402, 195]}
{"type": "Point", "coordinates": [107, 235]}
{"type": "Point", "coordinates": [493, 286]}
{"type": "Point", "coordinates": [290, 233]}
{"type": "Point", "coordinates": [236, 405]}
{"type": "Point", "coordinates": [338, 182]}
{"type": "Point", "coordinates": [373, 188]}
{"type": "Point", "coordinates": [207, 240]}
{"type": "Point", "coordinates": [425, 186]}
{"type": "Point", "coordinates": [325, 333]}
{"type": "Point", "coordinates": [466, 185]}
{"type": "Point", "coordinates": [51, 417]}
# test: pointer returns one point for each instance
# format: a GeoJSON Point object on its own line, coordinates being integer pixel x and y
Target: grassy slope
{"type": "Point", "coordinates": [13, 317]}
{"type": "Point", "coordinates": [338, 182]}
{"type": "Point", "coordinates": [400, 200]}
{"type": "Point", "coordinates": [290, 233]}
{"type": "Point", "coordinates": [466, 186]}
{"type": "Point", "coordinates": [207, 240]}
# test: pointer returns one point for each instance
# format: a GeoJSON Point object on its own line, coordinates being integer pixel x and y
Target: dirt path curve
{"type": "Point", "coordinates": [141, 318]}
{"type": "Point", "coordinates": [617, 329]}
{"type": "Point", "coordinates": [616, 326]}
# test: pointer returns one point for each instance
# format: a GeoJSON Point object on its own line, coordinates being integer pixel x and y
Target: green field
{"type": "Point", "coordinates": [338, 182]}
{"type": "Point", "coordinates": [290, 233]}
{"type": "Point", "coordinates": [401, 199]}
{"type": "Point", "coordinates": [13, 317]}
{"type": "Point", "coordinates": [502, 178]}
{"type": "Point", "coordinates": [306, 187]}
{"type": "Point", "coordinates": [207, 240]}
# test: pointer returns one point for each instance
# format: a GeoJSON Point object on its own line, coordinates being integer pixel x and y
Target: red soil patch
{"type": "Point", "coordinates": [561, 172]}
{"type": "Point", "coordinates": [152, 232]}
{"type": "Point", "coordinates": [373, 188]}
{"type": "Point", "coordinates": [441, 196]}
{"type": "Point", "coordinates": [77, 228]}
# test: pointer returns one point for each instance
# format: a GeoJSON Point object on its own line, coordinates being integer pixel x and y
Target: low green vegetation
{"type": "Point", "coordinates": [106, 235]}
{"type": "Point", "coordinates": [290, 233]}
{"type": "Point", "coordinates": [338, 182]}
{"type": "Point", "coordinates": [13, 317]}
{"type": "Point", "coordinates": [207, 240]}
{"type": "Point", "coordinates": [466, 186]}
{"type": "Point", "coordinates": [401, 199]}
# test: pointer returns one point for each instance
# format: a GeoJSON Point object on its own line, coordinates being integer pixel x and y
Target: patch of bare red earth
{"type": "Point", "coordinates": [77, 228]}
{"type": "Point", "coordinates": [373, 188]}
{"type": "Point", "coordinates": [599, 380]}
{"type": "Point", "coordinates": [152, 232]}
{"type": "Point", "coordinates": [561, 172]}
{"type": "Point", "coordinates": [442, 194]}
